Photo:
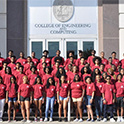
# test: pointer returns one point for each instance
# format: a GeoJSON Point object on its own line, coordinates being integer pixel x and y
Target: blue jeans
{"type": "Point", "coordinates": [49, 103]}
{"type": "Point", "coordinates": [98, 105]}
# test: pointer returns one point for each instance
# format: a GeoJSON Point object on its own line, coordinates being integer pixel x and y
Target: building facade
{"type": "Point", "coordinates": [35, 25]}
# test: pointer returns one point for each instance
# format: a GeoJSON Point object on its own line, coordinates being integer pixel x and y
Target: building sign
{"type": "Point", "coordinates": [52, 17]}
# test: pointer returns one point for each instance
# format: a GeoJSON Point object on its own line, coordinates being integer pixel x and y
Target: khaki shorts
{"type": "Point", "coordinates": [76, 99]}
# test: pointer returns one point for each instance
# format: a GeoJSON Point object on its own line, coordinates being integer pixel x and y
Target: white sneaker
{"type": "Point", "coordinates": [104, 120]}
{"type": "Point", "coordinates": [41, 119]}
{"type": "Point", "coordinates": [112, 120]}
{"type": "Point", "coordinates": [28, 121]}
{"type": "Point", "coordinates": [50, 119]}
{"type": "Point", "coordinates": [76, 120]}
{"type": "Point", "coordinates": [80, 120]}
{"type": "Point", "coordinates": [122, 120]}
{"type": "Point", "coordinates": [119, 119]}
{"type": "Point", "coordinates": [35, 119]}
{"type": "Point", "coordinates": [46, 119]}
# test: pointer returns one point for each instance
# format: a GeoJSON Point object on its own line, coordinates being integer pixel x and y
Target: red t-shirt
{"type": "Point", "coordinates": [107, 67]}
{"type": "Point", "coordinates": [28, 72]}
{"type": "Point", "coordinates": [119, 89]}
{"type": "Point", "coordinates": [80, 67]}
{"type": "Point", "coordinates": [48, 61]}
{"type": "Point", "coordinates": [24, 90]}
{"type": "Point", "coordinates": [115, 62]}
{"type": "Point", "coordinates": [38, 90]}
{"type": "Point", "coordinates": [8, 60]}
{"type": "Point", "coordinates": [51, 91]}
{"type": "Point", "coordinates": [41, 72]}
{"type": "Point", "coordinates": [15, 73]}
{"type": "Point", "coordinates": [90, 89]}
{"type": "Point", "coordinates": [32, 78]}
{"type": "Point", "coordinates": [26, 67]}
{"type": "Point", "coordinates": [98, 87]}
{"type": "Point", "coordinates": [93, 67]}
{"type": "Point", "coordinates": [2, 73]}
{"type": "Point", "coordinates": [45, 78]}
{"type": "Point", "coordinates": [39, 66]}
{"type": "Point", "coordinates": [22, 61]}
{"type": "Point", "coordinates": [6, 79]}
{"type": "Point", "coordinates": [85, 75]}
{"type": "Point", "coordinates": [108, 90]}
{"type": "Point", "coordinates": [63, 90]}
{"type": "Point", "coordinates": [12, 66]}
{"type": "Point", "coordinates": [104, 61]}
{"type": "Point", "coordinates": [67, 62]}
{"type": "Point", "coordinates": [36, 61]}
{"type": "Point", "coordinates": [19, 79]}
{"type": "Point", "coordinates": [2, 91]}
{"type": "Point", "coordinates": [1, 62]}
{"type": "Point", "coordinates": [90, 61]}
{"type": "Point", "coordinates": [76, 89]}
{"type": "Point", "coordinates": [122, 62]}
{"type": "Point", "coordinates": [12, 93]}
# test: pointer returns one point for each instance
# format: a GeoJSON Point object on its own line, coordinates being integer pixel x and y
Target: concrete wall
{"type": "Point", "coordinates": [3, 27]}
{"type": "Point", "coordinates": [110, 27]}
{"type": "Point", "coordinates": [15, 24]}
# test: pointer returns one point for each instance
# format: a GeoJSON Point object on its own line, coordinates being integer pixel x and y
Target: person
{"type": "Point", "coordinates": [16, 72]}
{"type": "Point", "coordinates": [115, 61]}
{"type": "Point", "coordinates": [19, 78]}
{"type": "Point", "coordinates": [1, 61]}
{"type": "Point", "coordinates": [78, 62]}
{"type": "Point", "coordinates": [90, 94]}
{"type": "Point", "coordinates": [82, 63]}
{"type": "Point", "coordinates": [97, 62]}
{"type": "Point", "coordinates": [27, 65]}
{"type": "Point", "coordinates": [2, 72]}
{"type": "Point", "coordinates": [47, 60]}
{"type": "Point", "coordinates": [103, 59]}
{"type": "Point", "coordinates": [85, 71]}
{"type": "Point", "coordinates": [98, 97]}
{"type": "Point", "coordinates": [102, 68]}
{"type": "Point", "coordinates": [58, 52]}
{"type": "Point", "coordinates": [77, 92]}
{"type": "Point", "coordinates": [34, 59]}
{"type": "Point", "coordinates": [90, 58]}
{"type": "Point", "coordinates": [2, 97]}
{"type": "Point", "coordinates": [119, 85]}
{"type": "Point", "coordinates": [7, 76]}
{"type": "Point", "coordinates": [12, 64]}
{"type": "Point", "coordinates": [42, 71]}
{"type": "Point", "coordinates": [109, 65]}
{"type": "Point", "coordinates": [22, 60]}
{"type": "Point", "coordinates": [96, 71]}
{"type": "Point", "coordinates": [46, 75]}
{"type": "Point", "coordinates": [11, 97]}
{"type": "Point", "coordinates": [8, 59]}
{"type": "Point", "coordinates": [108, 94]}
{"type": "Point", "coordinates": [32, 76]}
{"type": "Point", "coordinates": [38, 93]}
{"type": "Point", "coordinates": [50, 98]}
{"type": "Point", "coordinates": [25, 98]}
{"type": "Point", "coordinates": [63, 93]}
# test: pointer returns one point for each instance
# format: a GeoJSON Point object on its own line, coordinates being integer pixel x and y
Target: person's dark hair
{"type": "Point", "coordinates": [88, 77]}
{"type": "Point", "coordinates": [46, 51]}
{"type": "Point", "coordinates": [102, 64]}
{"type": "Point", "coordinates": [120, 75]}
{"type": "Point", "coordinates": [58, 58]}
{"type": "Point", "coordinates": [48, 68]}
{"type": "Point", "coordinates": [58, 50]}
{"type": "Point", "coordinates": [110, 58]}
{"type": "Point", "coordinates": [43, 56]}
{"type": "Point", "coordinates": [18, 63]}
{"type": "Point", "coordinates": [5, 62]}
{"type": "Point", "coordinates": [82, 58]}
{"type": "Point", "coordinates": [44, 63]}
{"type": "Point", "coordinates": [11, 51]}
{"type": "Point", "coordinates": [16, 87]}
{"type": "Point", "coordinates": [1, 79]}
{"type": "Point", "coordinates": [93, 51]}
{"type": "Point", "coordinates": [88, 70]}
{"type": "Point", "coordinates": [13, 57]}
{"type": "Point", "coordinates": [78, 78]}
{"type": "Point", "coordinates": [29, 57]}
{"type": "Point", "coordinates": [33, 67]}
{"type": "Point", "coordinates": [37, 78]}
{"type": "Point", "coordinates": [58, 75]}
{"type": "Point", "coordinates": [10, 72]}
{"type": "Point", "coordinates": [94, 74]}
{"type": "Point", "coordinates": [21, 66]}
{"type": "Point", "coordinates": [103, 74]}
{"type": "Point", "coordinates": [99, 59]}
{"type": "Point", "coordinates": [48, 84]}
{"type": "Point", "coordinates": [108, 76]}
{"type": "Point", "coordinates": [113, 52]}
